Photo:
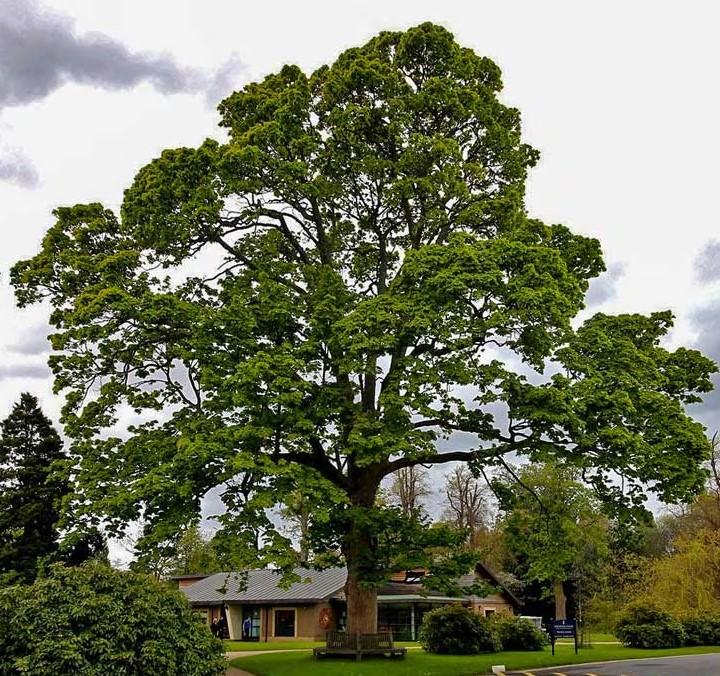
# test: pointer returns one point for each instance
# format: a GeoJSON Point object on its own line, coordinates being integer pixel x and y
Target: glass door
{"type": "Point", "coordinates": [251, 623]}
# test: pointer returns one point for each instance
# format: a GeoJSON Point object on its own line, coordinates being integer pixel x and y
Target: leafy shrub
{"type": "Point", "coordinates": [455, 630]}
{"type": "Point", "coordinates": [702, 629]}
{"type": "Point", "coordinates": [645, 626]}
{"type": "Point", "coordinates": [93, 621]}
{"type": "Point", "coordinates": [518, 633]}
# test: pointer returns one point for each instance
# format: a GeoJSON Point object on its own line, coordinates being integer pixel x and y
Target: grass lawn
{"type": "Point", "coordinates": [244, 646]}
{"type": "Point", "coordinates": [420, 663]}
{"type": "Point", "coordinates": [596, 637]}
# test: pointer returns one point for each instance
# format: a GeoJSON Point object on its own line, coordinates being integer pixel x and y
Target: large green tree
{"type": "Point", "coordinates": [31, 489]}
{"type": "Point", "coordinates": [322, 296]}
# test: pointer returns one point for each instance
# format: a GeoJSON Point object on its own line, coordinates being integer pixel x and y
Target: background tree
{"type": "Point", "coordinates": [85, 544]}
{"type": "Point", "coordinates": [195, 553]}
{"type": "Point", "coordinates": [366, 259]}
{"type": "Point", "coordinates": [686, 582]}
{"type": "Point", "coordinates": [409, 489]}
{"type": "Point", "coordinates": [703, 511]}
{"type": "Point", "coordinates": [196, 550]}
{"type": "Point", "coordinates": [670, 561]}
{"type": "Point", "coordinates": [553, 525]}
{"type": "Point", "coordinates": [467, 504]}
{"type": "Point", "coordinates": [31, 490]}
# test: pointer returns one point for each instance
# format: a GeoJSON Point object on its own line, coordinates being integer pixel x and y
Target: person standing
{"type": "Point", "coordinates": [246, 626]}
{"type": "Point", "coordinates": [222, 627]}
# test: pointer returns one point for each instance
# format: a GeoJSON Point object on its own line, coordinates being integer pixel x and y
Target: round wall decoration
{"type": "Point", "coordinates": [324, 618]}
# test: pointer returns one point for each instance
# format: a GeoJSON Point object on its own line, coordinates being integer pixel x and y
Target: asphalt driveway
{"type": "Point", "coordinates": [687, 665]}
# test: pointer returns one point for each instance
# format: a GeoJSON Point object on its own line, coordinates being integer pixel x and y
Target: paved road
{"type": "Point", "coordinates": [232, 671]}
{"type": "Point", "coordinates": [685, 665]}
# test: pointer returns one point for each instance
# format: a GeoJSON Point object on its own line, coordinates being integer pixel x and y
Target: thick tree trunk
{"type": "Point", "coordinates": [361, 606]}
{"type": "Point", "coordinates": [359, 548]}
{"type": "Point", "coordinates": [560, 600]}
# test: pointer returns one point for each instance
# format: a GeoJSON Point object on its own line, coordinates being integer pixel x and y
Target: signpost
{"type": "Point", "coordinates": [563, 629]}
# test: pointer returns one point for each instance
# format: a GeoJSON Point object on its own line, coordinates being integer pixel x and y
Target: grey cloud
{"type": "Point", "coordinates": [33, 342]}
{"type": "Point", "coordinates": [707, 263]}
{"type": "Point", "coordinates": [8, 371]}
{"type": "Point", "coordinates": [225, 81]}
{"type": "Point", "coordinates": [212, 506]}
{"type": "Point", "coordinates": [40, 51]}
{"type": "Point", "coordinates": [604, 288]}
{"type": "Point", "coordinates": [17, 168]}
{"type": "Point", "coordinates": [706, 321]}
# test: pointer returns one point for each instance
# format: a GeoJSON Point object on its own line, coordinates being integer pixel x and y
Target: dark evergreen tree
{"type": "Point", "coordinates": [30, 490]}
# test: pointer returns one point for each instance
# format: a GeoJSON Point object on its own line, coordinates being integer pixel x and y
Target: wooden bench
{"type": "Point", "coordinates": [341, 643]}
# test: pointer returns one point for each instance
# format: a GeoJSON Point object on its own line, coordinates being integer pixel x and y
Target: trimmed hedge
{"type": "Point", "coordinates": [456, 630]}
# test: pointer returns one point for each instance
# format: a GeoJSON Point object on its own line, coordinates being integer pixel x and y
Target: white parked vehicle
{"type": "Point", "coordinates": [536, 621]}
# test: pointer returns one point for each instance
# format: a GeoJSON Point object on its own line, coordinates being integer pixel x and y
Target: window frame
{"type": "Point", "coordinates": [288, 609]}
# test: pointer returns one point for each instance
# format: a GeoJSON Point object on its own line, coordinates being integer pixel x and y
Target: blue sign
{"type": "Point", "coordinates": [563, 629]}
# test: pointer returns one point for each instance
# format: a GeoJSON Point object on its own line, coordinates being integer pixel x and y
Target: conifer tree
{"type": "Point", "coordinates": [30, 490]}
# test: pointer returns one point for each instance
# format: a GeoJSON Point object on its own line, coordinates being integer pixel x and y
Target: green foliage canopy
{"type": "Point", "coordinates": [551, 522]}
{"type": "Point", "coordinates": [324, 296]}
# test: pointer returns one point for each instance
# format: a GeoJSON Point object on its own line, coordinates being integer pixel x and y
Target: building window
{"type": "Point", "coordinates": [285, 623]}
{"type": "Point", "coordinates": [414, 576]}
{"type": "Point", "coordinates": [489, 612]}
{"type": "Point", "coordinates": [251, 623]}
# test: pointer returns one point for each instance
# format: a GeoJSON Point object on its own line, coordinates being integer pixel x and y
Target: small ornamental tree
{"type": "Point", "coordinates": [95, 621]}
{"type": "Point", "coordinates": [322, 296]}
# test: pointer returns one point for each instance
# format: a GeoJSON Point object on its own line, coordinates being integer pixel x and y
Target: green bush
{"type": "Point", "coordinates": [93, 620]}
{"type": "Point", "coordinates": [455, 630]}
{"type": "Point", "coordinates": [518, 633]}
{"type": "Point", "coordinates": [702, 629]}
{"type": "Point", "coordinates": [645, 626]}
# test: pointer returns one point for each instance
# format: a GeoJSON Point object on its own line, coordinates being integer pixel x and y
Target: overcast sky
{"type": "Point", "coordinates": [621, 98]}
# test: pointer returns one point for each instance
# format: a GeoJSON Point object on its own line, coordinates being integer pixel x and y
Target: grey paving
{"type": "Point", "coordinates": [681, 665]}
